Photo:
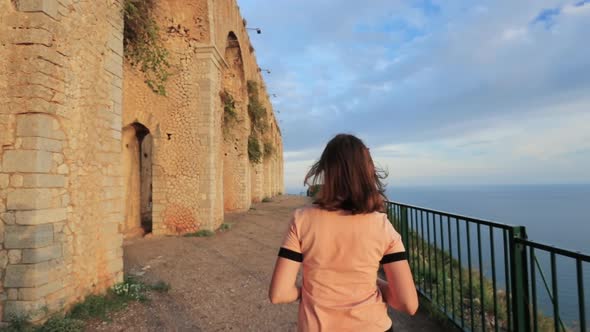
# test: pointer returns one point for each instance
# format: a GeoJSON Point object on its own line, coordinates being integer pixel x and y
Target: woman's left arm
{"type": "Point", "coordinates": [283, 288]}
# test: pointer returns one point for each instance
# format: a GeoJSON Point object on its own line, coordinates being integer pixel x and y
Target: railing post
{"type": "Point", "coordinates": [404, 228]}
{"type": "Point", "coordinates": [519, 280]}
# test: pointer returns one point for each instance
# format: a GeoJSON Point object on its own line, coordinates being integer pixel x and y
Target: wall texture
{"type": "Point", "coordinates": [89, 154]}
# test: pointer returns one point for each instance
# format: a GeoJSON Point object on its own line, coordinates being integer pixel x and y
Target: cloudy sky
{"type": "Point", "coordinates": [443, 92]}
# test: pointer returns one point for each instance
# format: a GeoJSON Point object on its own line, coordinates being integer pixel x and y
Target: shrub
{"type": "Point", "coordinates": [229, 106]}
{"type": "Point", "coordinates": [143, 47]}
{"type": "Point", "coordinates": [256, 110]}
{"type": "Point", "coordinates": [254, 151]}
{"type": "Point", "coordinates": [225, 227]}
{"type": "Point", "coordinates": [268, 149]}
{"type": "Point", "coordinates": [266, 200]}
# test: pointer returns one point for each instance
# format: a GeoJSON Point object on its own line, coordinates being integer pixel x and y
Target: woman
{"type": "Point", "coordinates": [341, 240]}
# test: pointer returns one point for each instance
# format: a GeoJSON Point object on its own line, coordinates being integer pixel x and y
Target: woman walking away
{"type": "Point", "coordinates": [341, 240]}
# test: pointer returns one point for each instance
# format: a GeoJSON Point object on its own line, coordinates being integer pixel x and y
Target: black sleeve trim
{"type": "Point", "coordinates": [290, 254]}
{"type": "Point", "coordinates": [390, 258]}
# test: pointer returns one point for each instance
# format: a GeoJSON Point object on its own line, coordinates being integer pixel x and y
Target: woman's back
{"type": "Point", "coordinates": [341, 255]}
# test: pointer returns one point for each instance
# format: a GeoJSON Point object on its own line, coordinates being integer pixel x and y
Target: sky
{"type": "Point", "coordinates": [443, 92]}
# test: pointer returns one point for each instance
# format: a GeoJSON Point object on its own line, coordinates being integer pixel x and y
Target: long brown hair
{"type": "Point", "coordinates": [347, 177]}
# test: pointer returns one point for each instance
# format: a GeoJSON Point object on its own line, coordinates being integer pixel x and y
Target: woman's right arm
{"type": "Point", "coordinates": [401, 292]}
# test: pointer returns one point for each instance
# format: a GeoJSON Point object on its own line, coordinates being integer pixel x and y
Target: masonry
{"type": "Point", "coordinates": [89, 154]}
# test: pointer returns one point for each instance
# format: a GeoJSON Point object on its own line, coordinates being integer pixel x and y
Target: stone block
{"type": "Point", "coordinates": [35, 310]}
{"type": "Point", "coordinates": [39, 217]}
{"type": "Point", "coordinates": [19, 237]}
{"type": "Point", "coordinates": [27, 275]}
{"type": "Point", "coordinates": [14, 256]}
{"type": "Point", "coordinates": [32, 294]}
{"type": "Point", "coordinates": [43, 181]}
{"type": "Point", "coordinates": [9, 218]}
{"type": "Point", "coordinates": [41, 143]}
{"type": "Point", "coordinates": [41, 254]}
{"type": "Point", "coordinates": [38, 125]}
{"type": "Point", "coordinates": [49, 7]}
{"type": "Point", "coordinates": [4, 181]}
{"type": "Point", "coordinates": [29, 199]}
{"type": "Point", "coordinates": [28, 161]}
{"type": "Point", "coordinates": [3, 259]}
{"type": "Point", "coordinates": [16, 180]}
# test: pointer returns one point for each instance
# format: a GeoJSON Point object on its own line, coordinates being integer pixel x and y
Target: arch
{"type": "Point", "coordinates": [235, 129]}
{"type": "Point", "coordinates": [137, 151]}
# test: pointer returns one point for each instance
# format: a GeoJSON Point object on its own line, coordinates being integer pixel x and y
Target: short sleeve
{"type": "Point", "coordinates": [394, 248]}
{"type": "Point", "coordinates": [291, 247]}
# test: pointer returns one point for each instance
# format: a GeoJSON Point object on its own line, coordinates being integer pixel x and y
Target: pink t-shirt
{"type": "Point", "coordinates": [340, 253]}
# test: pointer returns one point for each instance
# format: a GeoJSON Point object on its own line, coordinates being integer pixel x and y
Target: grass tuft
{"type": "Point", "coordinates": [201, 233]}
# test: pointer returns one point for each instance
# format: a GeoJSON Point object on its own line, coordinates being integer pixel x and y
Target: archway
{"type": "Point", "coordinates": [137, 166]}
{"type": "Point", "coordinates": [236, 175]}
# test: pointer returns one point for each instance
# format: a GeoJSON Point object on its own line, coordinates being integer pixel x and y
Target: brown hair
{"type": "Point", "coordinates": [347, 177]}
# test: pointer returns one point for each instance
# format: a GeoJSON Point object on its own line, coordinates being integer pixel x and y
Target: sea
{"type": "Point", "coordinates": [557, 215]}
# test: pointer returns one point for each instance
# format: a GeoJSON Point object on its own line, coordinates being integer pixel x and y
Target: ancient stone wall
{"type": "Point", "coordinates": [60, 131]}
{"type": "Point", "coordinates": [90, 154]}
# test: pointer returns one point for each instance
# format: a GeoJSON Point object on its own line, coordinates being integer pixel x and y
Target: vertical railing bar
{"type": "Point", "coordinates": [418, 247]}
{"type": "Point", "coordinates": [581, 299]}
{"type": "Point", "coordinates": [493, 257]}
{"type": "Point", "coordinates": [423, 251]}
{"type": "Point", "coordinates": [482, 301]}
{"type": "Point", "coordinates": [507, 281]}
{"type": "Point", "coordinates": [554, 291]}
{"type": "Point", "coordinates": [451, 267]}
{"type": "Point", "coordinates": [414, 241]}
{"type": "Point", "coordinates": [444, 276]}
{"type": "Point", "coordinates": [460, 274]}
{"type": "Point", "coordinates": [435, 259]}
{"type": "Point", "coordinates": [429, 257]}
{"type": "Point", "coordinates": [533, 288]}
{"type": "Point", "coordinates": [470, 275]}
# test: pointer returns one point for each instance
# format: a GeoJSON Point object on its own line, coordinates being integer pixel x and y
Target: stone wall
{"type": "Point", "coordinates": [89, 154]}
{"type": "Point", "coordinates": [60, 131]}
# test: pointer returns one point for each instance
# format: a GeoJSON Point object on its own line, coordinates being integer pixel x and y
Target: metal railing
{"type": "Point", "coordinates": [486, 276]}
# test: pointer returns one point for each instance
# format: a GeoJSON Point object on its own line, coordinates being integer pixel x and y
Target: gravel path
{"type": "Point", "coordinates": [220, 283]}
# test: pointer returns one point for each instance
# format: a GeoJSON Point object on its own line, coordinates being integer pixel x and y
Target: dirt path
{"type": "Point", "coordinates": [220, 283]}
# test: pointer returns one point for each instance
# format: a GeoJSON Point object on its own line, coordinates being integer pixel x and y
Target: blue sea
{"type": "Point", "coordinates": [556, 215]}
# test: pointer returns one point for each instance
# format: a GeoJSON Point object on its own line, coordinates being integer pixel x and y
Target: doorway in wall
{"type": "Point", "coordinates": [137, 164]}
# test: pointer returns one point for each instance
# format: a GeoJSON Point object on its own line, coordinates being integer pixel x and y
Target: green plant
{"type": "Point", "coordinates": [225, 227]}
{"type": "Point", "coordinates": [256, 110]}
{"type": "Point", "coordinates": [201, 233]}
{"type": "Point", "coordinates": [254, 151]}
{"type": "Point", "coordinates": [62, 324]}
{"type": "Point", "coordinates": [268, 149]}
{"type": "Point", "coordinates": [160, 286]}
{"type": "Point", "coordinates": [229, 106]}
{"type": "Point", "coordinates": [143, 47]}
{"type": "Point", "coordinates": [266, 200]}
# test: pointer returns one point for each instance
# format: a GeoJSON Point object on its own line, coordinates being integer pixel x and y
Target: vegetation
{"type": "Point", "coordinates": [93, 307]}
{"type": "Point", "coordinates": [143, 46]}
{"type": "Point", "coordinates": [201, 233]}
{"type": "Point", "coordinates": [256, 110]}
{"type": "Point", "coordinates": [266, 200]}
{"type": "Point", "coordinates": [225, 227]}
{"type": "Point", "coordinates": [268, 149]}
{"type": "Point", "coordinates": [229, 107]}
{"type": "Point", "coordinates": [254, 150]}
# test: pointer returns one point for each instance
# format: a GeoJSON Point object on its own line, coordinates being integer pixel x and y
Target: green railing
{"type": "Point", "coordinates": [486, 276]}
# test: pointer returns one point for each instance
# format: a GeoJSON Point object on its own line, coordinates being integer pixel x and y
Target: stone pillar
{"type": "Point", "coordinates": [210, 64]}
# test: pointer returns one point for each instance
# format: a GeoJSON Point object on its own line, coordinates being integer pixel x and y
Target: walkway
{"type": "Point", "coordinates": [220, 283]}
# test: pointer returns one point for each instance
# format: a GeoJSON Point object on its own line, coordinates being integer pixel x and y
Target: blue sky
{"type": "Point", "coordinates": [443, 92]}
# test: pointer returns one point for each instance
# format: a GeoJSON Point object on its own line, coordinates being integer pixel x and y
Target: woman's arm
{"type": "Point", "coordinates": [283, 287]}
{"type": "Point", "coordinates": [400, 291]}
